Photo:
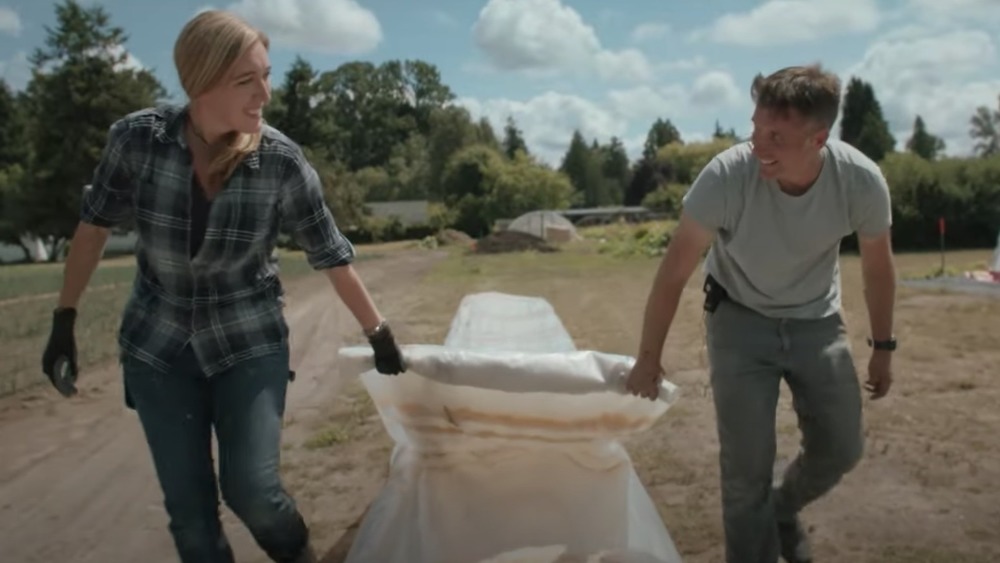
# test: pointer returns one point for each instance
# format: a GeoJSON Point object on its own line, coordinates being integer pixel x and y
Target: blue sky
{"type": "Point", "coordinates": [599, 66]}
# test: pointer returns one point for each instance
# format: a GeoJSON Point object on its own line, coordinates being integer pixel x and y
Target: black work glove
{"type": "Point", "coordinates": [388, 358]}
{"type": "Point", "coordinates": [59, 358]}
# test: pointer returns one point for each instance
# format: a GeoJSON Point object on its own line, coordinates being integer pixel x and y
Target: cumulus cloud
{"type": "Point", "coordinates": [980, 11]}
{"type": "Point", "coordinates": [548, 120]}
{"type": "Point", "coordinates": [546, 36]}
{"type": "Point", "coordinates": [10, 22]}
{"type": "Point", "coordinates": [779, 22]}
{"type": "Point", "coordinates": [696, 62]}
{"type": "Point", "coordinates": [941, 76]}
{"type": "Point", "coordinates": [715, 89]}
{"type": "Point", "coordinates": [710, 93]}
{"type": "Point", "coordinates": [324, 26]}
{"type": "Point", "coordinates": [16, 71]}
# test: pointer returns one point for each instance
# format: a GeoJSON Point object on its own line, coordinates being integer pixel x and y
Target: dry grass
{"type": "Point", "coordinates": [925, 492]}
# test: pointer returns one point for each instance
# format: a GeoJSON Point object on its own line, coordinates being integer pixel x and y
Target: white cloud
{"type": "Point", "coordinates": [546, 36]}
{"type": "Point", "coordinates": [710, 93]}
{"type": "Point", "coordinates": [131, 62]}
{"type": "Point", "coordinates": [980, 11]}
{"type": "Point", "coordinates": [16, 71]}
{"type": "Point", "coordinates": [650, 31]}
{"type": "Point", "coordinates": [645, 103]}
{"type": "Point", "coordinates": [715, 89]}
{"type": "Point", "coordinates": [697, 62]}
{"type": "Point", "coordinates": [10, 22]}
{"type": "Point", "coordinates": [327, 26]}
{"type": "Point", "coordinates": [941, 76]}
{"type": "Point", "coordinates": [548, 120]}
{"type": "Point", "coordinates": [778, 22]}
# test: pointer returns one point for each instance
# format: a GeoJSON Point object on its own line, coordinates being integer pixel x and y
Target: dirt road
{"type": "Point", "coordinates": [77, 483]}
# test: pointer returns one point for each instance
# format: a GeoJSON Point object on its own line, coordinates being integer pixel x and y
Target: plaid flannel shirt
{"type": "Point", "coordinates": [226, 300]}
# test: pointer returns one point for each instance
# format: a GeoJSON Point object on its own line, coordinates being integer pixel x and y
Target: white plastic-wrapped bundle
{"type": "Point", "coordinates": [507, 447]}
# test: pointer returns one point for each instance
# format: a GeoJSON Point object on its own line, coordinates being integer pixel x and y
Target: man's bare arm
{"type": "Point", "coordinates": [684, 253]}
{"type": "Point", "coordinates": [85, 253]}
{"type": "Point", "coordinates": [879, 273]}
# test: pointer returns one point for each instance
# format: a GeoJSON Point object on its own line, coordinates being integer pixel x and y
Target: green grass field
{"type": "Point", "coordinates": [28, 293]}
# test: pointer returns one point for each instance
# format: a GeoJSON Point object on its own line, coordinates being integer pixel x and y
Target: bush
{"type": "Point", "coordinates": [625, 240]}
{"type": "Point", "coordinates": [965, 192]}
{"type": "Point", "coordinates": [380, 229]}
{"type": "Point", "coordinates": [666, 199]}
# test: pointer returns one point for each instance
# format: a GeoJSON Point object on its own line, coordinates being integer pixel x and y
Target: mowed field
{"type": "Point", "coordinates": [926, 490]}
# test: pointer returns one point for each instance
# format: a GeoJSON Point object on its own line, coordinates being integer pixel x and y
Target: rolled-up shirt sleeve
{"type": "Point", "coordinates": [107, 202]}
{"type": "Point", "coordinates": [305, 215]}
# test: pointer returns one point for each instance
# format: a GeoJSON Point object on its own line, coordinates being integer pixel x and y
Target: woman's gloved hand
{"type": "Point", "coordinates": [388, 357]}
{"type": "Point", "coordinates": [59, 358]}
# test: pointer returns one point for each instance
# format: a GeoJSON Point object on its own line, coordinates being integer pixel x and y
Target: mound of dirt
{"type": "Point", "coordinates": [451, 237]}
{"type": "Point", "coordinates": [512, 241]}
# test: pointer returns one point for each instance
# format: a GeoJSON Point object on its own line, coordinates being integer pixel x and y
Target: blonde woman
{"type": "Point", "coordinates": [204, 344]}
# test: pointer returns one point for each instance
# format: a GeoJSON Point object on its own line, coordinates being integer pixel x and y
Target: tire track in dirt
{"type": "Point", "coordinates": [77, 483]}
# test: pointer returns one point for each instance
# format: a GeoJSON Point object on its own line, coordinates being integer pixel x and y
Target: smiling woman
{"type": "Point", "coordinates": [203, 342]}
{"type": "Point", "coordinates": [228, 89]}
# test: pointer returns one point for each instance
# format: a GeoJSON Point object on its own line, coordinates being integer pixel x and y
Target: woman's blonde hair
{"type": "Point", "coordinates": [206, 48]}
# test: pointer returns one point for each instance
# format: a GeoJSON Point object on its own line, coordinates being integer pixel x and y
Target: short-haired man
{"type": "Point", "coordinates": [772, 213]}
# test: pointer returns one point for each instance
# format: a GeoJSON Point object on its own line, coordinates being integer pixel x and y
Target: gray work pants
{"type": "Point", "coordinates": [749, 355]}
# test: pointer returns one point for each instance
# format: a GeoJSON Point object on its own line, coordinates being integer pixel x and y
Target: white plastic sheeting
{"type": "Point", "coordinates": [544, 225]}
{"type": "Point", "coordinates": [507, 447]}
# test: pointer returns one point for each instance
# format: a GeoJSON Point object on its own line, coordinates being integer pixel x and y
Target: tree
{"type": "Point", "coordinates": [587, 168]}
{"type": "Point", "coordinates": [721, 133]}
{"type": "Point", "coordinates": [674, 166]}
{"type": "Point", "coordinates": [513, 139]}
{"type": "Point", "coordinates": [451, 129]}
{"type": "Point", "coordinates": [81, 84]}
{"type": "Point", "coordinates": [482, 185]}
{"type": "Point", "coordinates": [660, 134]}
{"type": "Point", "coordinates": [985, 129]}
{"type": "Point", "coordinates": [13, 158]}
{"type": "Point", "coordinates": [616, 169]}
{"type": "Point", "coordinates": [370, 109]}
{"type": "Point", "coordinates": [862, 124]}
{"type": "Point", "coordinates": [922, 143]}
{"type": "Point", "coordinates": [296, 99]}
{"type": "Point", "coordinates": [12, 127]}
{"type": "Point", "coordinates": [649, 174]}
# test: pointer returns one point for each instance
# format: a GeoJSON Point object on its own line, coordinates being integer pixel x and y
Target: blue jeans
{"type": "Point", "coordinates": [245, 406]}
{"type": "Point", "coordinates": [750, 355]}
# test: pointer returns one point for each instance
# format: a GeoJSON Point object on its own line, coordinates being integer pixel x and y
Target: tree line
{"type": "Point", "coordinates": [393, 131]}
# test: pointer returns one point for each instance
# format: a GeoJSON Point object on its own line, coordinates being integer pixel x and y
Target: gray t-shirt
{"type": "Point", "coordinates": [776, 253]}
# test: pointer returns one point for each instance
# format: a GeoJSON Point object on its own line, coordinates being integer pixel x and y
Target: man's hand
{"type": "Point", "coordinates": [879, 374]}
{"type": "Point", "coordinates": [687, 245]}
{"type": "Point", "coordinates": [644, 380]}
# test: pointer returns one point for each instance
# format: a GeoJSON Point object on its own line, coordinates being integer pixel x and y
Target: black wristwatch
{"type": "Point", "coordinates": [888, 345]}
